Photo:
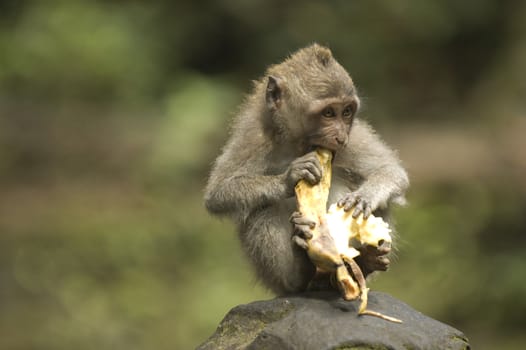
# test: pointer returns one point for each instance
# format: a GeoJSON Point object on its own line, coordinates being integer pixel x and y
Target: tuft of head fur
{"type": "Point", "coordinates": [312, 72]}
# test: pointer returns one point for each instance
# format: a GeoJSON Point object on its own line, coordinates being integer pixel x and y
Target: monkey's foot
{"type": "Point", "coordinates": [302, 243]}
{"type": "Point", "coordinates": [373, 258]}
{"type": "Point", "coordinates": [322, 281]}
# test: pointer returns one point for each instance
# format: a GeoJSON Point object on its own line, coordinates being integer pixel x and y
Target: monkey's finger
{"type": "Point", "coordinates": [294, 215]}
{"type": "Point", "coordinates": [309, 177]}
{"type": "Point", "coordinates": [343, 200]}
{"type": "Point", "coordinates": [367, 211]}
{"type": "Point", "coordinates": [314, 169]}
{"type": "Point", "coordinates": [358, 209]}
{"type": "Point", "coordinates": [377, 263]}
{"type": "Point", "coordinates": [382, 249]}
{"type": "Point", "coordinates": [350, 203]}
{"type": "Point", "coordinates": [304, 231]}
{"type": "Point", "coordinates": [311, 162]}
{"type": "Point", "coordinates": [300, 242]}
{"type": "Point", "coordinates": [312, 156]}
{"type": "Point", "coordinates": [303, 221]}
{"type": "Point", "coordinates": [307, 234]}
{"type": "Point", "coordinates": [382, 263]}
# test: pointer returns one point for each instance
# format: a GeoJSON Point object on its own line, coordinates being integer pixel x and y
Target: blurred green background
{"type": "Point", "coordinates": [111, 113]}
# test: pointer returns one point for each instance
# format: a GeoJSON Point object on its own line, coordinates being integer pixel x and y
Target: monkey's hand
{"type": "Point", "coordinates": [360, 201]}
{"type": "Point", "coordinates": [307, 167]}
{"type": "Point", "coordinates": [303, 227]}
{"type": "Point", "coordinates": [373, 258]}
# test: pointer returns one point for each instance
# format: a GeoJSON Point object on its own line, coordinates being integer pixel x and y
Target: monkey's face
{"type": "Point", "coordinates": [329, 121]}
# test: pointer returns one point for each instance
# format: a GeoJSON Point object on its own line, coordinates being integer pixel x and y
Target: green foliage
{"type": "Point", "coordinates": [200, 105]}
{"type": "Point", "coordinates": [79, 49]}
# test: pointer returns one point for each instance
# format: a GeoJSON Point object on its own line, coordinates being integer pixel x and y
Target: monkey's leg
{"type": "Point", "coordinates": [323, 281]}
{"type": "Point", "coordinates": [280, 263]}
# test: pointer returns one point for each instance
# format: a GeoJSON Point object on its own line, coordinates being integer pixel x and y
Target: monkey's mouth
{"type": "Point", "coordinates": [328, 143]}
{"type": "Point", "coordinates": [315, 146]}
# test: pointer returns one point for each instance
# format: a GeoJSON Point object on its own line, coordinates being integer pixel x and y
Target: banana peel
{"type": "Point", "coordinates": [336, 235]}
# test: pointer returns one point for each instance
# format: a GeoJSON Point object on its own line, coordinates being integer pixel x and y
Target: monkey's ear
{"type": "Point", "coordinates": [324, 56]}
{"type": "Point", "coordinates": [273, 93]}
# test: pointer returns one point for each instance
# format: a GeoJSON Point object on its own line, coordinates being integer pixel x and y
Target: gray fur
{"type": "Point", "coordinates": [252, 181]}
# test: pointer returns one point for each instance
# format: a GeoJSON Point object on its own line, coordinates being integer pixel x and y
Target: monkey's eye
{"type": "Point", "coordinates": [328, 112]}
{"type": "Point", "coordinates": [348, 112]}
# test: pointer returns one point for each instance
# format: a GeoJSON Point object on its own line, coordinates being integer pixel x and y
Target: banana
{"type": "Point", "coordinates": [337, 235]}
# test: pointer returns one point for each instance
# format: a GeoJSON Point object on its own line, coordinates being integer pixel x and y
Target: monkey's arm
{"type": "Point", "coordinates": [384, 178]}
{"type": "Point", "coordinates": [240, 181]}
{"type": "Point", "coordinates": [241, 192]}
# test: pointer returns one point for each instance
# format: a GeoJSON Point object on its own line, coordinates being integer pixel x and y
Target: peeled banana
{"type": "Point", "coordinates": [337, 235]}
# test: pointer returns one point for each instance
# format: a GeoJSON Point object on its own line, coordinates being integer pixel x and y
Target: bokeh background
{"type": "Point", "coordinates": [111, 113]}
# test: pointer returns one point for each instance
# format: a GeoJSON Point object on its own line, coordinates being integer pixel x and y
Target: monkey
{"type": "Point", "coordinates": [309, 100]}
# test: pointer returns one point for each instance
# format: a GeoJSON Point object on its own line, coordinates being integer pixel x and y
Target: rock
{"type": "Point", "coordinates": [323, 321]}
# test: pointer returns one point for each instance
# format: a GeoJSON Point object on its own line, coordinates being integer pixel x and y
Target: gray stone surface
{"type": "Point", "coordinates": [323, 321]}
